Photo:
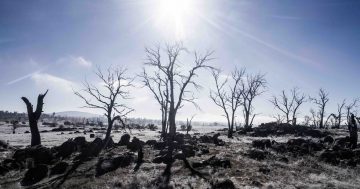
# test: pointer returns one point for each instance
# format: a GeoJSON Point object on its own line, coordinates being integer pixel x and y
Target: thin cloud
{"type": "Point", "coordinates": [51, 81]}
{"type": "Point", "coordinates": [82, 61]}
{"type": "Point", "coordinates": [24, 77]}
{"type": "Point", "coordinates": [74, 61]}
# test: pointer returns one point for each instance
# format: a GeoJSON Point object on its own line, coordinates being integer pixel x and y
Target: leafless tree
{"type": "Point", "coordinates": [114, 87]}
{"type": "Point", "coordinates": [321, 101]}
{"type": "Point", "coordinates": [228, 95]}
{"type": "Point", "coordinates": [159, 87]}
{"type": "Point", "coordinates": [279, 118]}
{"type": "Point", "coordinates": [189, 124]}
{"type": "Point", "coordinates": [299, 99]}
{"type": "Point", "coordinates": [340, 114]}
{"type": "Point", "coordinates": [289, 106]}
{"type": "Point", "coordinates": [314, 118]}
{"type": "Point", "coordinates": [178, 81]}
{"type": "Point", "coordinates": [284, 104]}
{"type": "Point", "coordinates": [307, 120]}
{"type": "Point", "coordinates": [351, 108]}
{"type": "Point", "coordinates": [252, 86]}
{"type": "Point", "coordinates": [34, 117]}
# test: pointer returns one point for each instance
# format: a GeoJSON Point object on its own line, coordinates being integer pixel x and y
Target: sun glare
{"type": "Point", "coordinates": [173, 15]}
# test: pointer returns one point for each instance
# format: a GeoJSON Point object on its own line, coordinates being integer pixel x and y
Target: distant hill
{"type": "Point", "coordinates": [76, 114]}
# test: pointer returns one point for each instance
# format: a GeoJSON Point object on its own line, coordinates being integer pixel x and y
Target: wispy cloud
{"type": "Point", "coordinates": [75, 60]}
{"type": "Point", "coordinates": [52, 82]}
{"type": "Point", "coordinates": [24, 77]}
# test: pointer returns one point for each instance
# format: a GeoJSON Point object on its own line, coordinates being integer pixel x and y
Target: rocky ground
{"type": "Point", "coordinates": [270, 156]}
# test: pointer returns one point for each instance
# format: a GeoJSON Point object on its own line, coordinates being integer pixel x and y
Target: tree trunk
{"type": "Point", "coordinates": [35, 135]}
{"type": "Point", "coordinates": [230, 132]}
{"type": "Point", "coordinates": [108, 132]}
{"type": "Point", "coordinates": [34, 117]}
{"type": "Point", "coordinates": [247, 114]}
{"type": "Point", "coordinates": [321, 125]}
{"type": "Point", "coordinates": [163, 127]}
{"type": "Point", "coordinates": [172, 123]}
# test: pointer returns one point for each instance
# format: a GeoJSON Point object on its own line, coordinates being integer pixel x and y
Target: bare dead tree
{"type": "Point", "coordinates": [34, 117]}
{"type": "Point", "coordinates": [321, 101]}
{"type": "Point", "coordinates": [252, 86]}
{"type": "Point", "coordinates": [299, 99]}
{"type": "Point", "coordinates": [159, 87]}
{"type": "Point", "coordinates": [228, 96]}
{"type": "Point", "coordinates": [330, 118]}
{"type": "Point", "coordinates": [106, 98]}
{"type": "Point", "coordinates": [307, 120]}
{"type": "Point", "coordinates": [314, 117]}
{"type": "Point", "coordinates": [178, 82]}
{"type": "Point", "coordinates": [340, 114]}
{"type": "Point", "coordinates": [284, 104]}
{"type": "Point", "coordinates": [189, 124]}
{"type": "Point", "coordinates": [350, 108]}
{"type": "Point", "coordinates": [289, 105]}
{"type": "Point", "coordinates": [278, 118]}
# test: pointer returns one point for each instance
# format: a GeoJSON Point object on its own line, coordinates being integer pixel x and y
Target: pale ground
{"type": "Point", "coordinates": [304, 172]}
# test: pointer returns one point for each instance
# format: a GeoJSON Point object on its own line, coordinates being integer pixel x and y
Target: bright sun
{"type": "Point", "coordinates": [173, 16]}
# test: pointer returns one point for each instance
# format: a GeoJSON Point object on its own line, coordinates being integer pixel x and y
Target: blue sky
{"type": "Point", "coordinates": [56, 44]}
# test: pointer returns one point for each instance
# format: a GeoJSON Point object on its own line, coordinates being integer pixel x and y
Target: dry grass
{"type": "Point", "coordinates": [299, 172]}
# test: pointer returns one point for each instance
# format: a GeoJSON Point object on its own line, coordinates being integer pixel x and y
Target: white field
{"type": "Point", "coordinates": [50, 139]}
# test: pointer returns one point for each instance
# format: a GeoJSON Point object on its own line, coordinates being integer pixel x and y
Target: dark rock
{"type": "Point", "coordinates": [226, 184]}
{"type": "Point", "coordinates": [27, 132]}
{"type": "Point", "coordinates": [107, 165]}
{"type": "Point", "coordinates": [92, 150]}
{"type": "Point", "coordinates": [257, 154]}
{"type": "Point", "coordinates": [264, 170]}
{"type": "Point", "coordinates": [12, 164]}
{"type": "Point", "coordinates": [217, 141]}
{"type": "Point", "coordinates": [40, 154]}
{"type": "Point", "coordinates": [206, 139]}
{"type": "Point", "coordinates": [124, 140]}
{"type": "Point", "coordinates": [135, 144]}
{"type": "Point", "coordinates": [34, 175]}
{"type": "Point", "coordinates": [262, 144]}
{"type": "Point", "coordinates": [92, 135]}
{"type": "Point", "coordinates": [3, 144]}
{"type": "Point", "coordinates": [62, 129]}
{"type": "Point", "coordinates": [203, 149]}
{"type": "Point", "coordinates": [214, 162]}
{"type": "Point", "coordinates": [297, 142]}
{"type": "Point", "coordinates": [158, 159]}
{"type": "Point", "coordinates": [256, 183]}
{"type": "Point", "coordinates": [59, 168]}
{"type": "Point", "coordinates": [341, 143]}
{"type": "Point", "coordinates": [280, 148]}
{"type": "Point", "coordinates": [3, 170]}
{"type": "Point", "coordinates": [328, 139]}
{"type": "Point", "coordinates": [345, 154]}
{"type": "Point", "coordinates": [66, 149]}
{"type": "Point", "coordinates": [80, 142]}
{"type": "Point", "coordinates": [329, 156]}
{"type": "Point", "coordinates": [151, 142]}
{"type": "Point", "coordinates": [188, 150]}
{"type": "Point", "coordinates": [267, 129]}
{"type": "Point", "coordinates": [284, 159]}
{"type": "Point", "coordinates": [159, 145]}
